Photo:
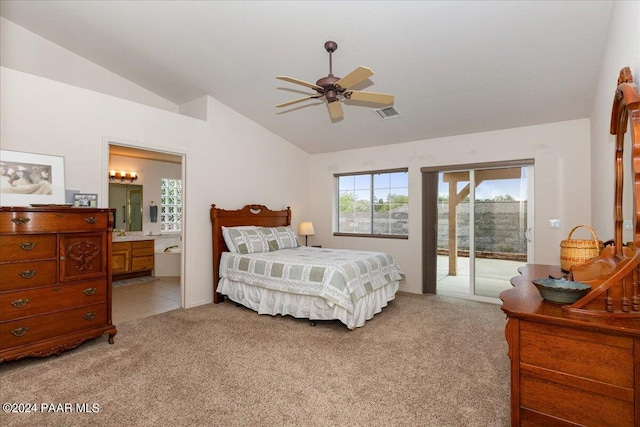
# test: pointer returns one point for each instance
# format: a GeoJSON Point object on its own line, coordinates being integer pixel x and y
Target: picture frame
{"type": "Point", "coordinates": [85, 200]}
{"type": "Point", "coordinates": [31, 179]}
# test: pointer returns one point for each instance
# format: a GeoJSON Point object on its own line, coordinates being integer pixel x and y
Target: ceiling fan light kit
{"type": "Point", "coordinates": [334, 89]}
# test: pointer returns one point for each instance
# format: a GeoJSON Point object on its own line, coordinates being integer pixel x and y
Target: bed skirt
{"type": "Point", "coordinates": [267, 301]}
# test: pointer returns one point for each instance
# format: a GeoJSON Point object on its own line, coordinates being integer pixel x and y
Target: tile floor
{"type": "Point", "coordinates": [140, 300]}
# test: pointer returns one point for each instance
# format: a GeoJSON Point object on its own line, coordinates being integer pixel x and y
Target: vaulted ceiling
{"type": "Point", "coordinates": [454, 67]}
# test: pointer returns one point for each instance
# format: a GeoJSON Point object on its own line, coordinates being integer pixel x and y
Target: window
{"type": "Point", "coordinates": [170, 204]}
{"type": "Point", "coordinates": [373, 203]}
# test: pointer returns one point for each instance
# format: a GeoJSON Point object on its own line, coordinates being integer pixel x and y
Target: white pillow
{"type": "Point", "coordinates": [229, 241]}
{"type": "Point", "coordinates": [247, 241]}
{"type": "Point", "coordinates": [279, 237]}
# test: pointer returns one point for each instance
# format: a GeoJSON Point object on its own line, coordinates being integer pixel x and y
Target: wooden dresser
{"type": "Point", "coordinates": [569, 369]}
{"type": "Point", "coordinates": [579, 364]}
{"type": "Point", "coordinates": [55, 279]}
{"type": "Point", "coordinates": [133, 259]}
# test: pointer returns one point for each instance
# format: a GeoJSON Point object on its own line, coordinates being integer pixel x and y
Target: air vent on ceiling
{"type": "Point", "coordinates": [387, 113]}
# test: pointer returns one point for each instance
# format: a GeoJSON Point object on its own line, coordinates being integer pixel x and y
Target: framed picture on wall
{"type": "Point", "coordinates": [84, 200]}
{"type": "Point", "coordinates": [31, 179]}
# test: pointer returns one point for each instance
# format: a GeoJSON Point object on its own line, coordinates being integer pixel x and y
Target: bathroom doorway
{"type": "Point", "coordinates": [161, 289]}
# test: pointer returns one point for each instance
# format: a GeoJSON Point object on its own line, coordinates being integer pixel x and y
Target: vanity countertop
{"type": "Point", "coordinates": [132, 238]}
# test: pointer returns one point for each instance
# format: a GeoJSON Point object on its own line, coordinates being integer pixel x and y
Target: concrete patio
{"type": "Point", "coordinates": [492, 277]}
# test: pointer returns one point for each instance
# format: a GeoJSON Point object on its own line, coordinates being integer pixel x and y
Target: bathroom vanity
{"type": "Point", "coordinates": [132, 258]}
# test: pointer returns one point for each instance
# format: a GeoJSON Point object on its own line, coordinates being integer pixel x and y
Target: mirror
{"type": "Point", "coordinates": [126, 199]}
{"type": "Point", "coordinates": [628, 190]}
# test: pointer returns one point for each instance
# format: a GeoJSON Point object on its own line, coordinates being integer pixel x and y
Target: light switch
{"type": "Point", "coordinates": [554, 223]}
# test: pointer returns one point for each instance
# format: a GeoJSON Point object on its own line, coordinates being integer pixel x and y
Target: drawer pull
{"type": "Point", "coordinates": [89, 316]}
{"type": "Point", "coordinates": [20, 331]}
{"type": "Point", "coordinates": [89, 291]}
{"type": "Point", "coordinates": [20, 220]}
{"type": "Point", "coordinates": [20, 302]}
{"type": "Point", "coordinates": [27, 274]}
{"type": "Point", "coordinates": [27, 246]}
{"type": "Point", "coordinates": [91, 219]}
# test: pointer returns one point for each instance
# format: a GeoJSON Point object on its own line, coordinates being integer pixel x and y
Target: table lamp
{"type": "Point", "coordinates": [306, 230]}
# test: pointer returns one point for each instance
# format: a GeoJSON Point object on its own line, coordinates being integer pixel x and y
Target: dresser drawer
{"type": "Point", "coordinates": [595, 356]}
{"type": "Point", "coordinates": [74, 220]}
{"type": "Point", "coordinates": [593, 407]}
{"type": "Point", "coordinates": [19, 304]}
{"type": "Point", "coordinates": [25, 275]}
{"type": "Point", "coordinates": [33, 329]}
{"type": "Point", "coordinates": [142, 248]}
{"type": "Point", "coordinates": [27, 247]}
{"type": "Point", "coordinates": [142, 263]}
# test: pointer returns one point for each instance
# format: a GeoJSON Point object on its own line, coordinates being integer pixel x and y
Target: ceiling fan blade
{"type": "Point", "coordinates": [353, 78]}
{"type": "Point", "coordinates": [378, 98]}
{"type": "Point", "coordinates": [299, 82]}
{"type": "Point", "coordinates": [335, 109]}
{"type": "Point", "coordinates": [284, 104]}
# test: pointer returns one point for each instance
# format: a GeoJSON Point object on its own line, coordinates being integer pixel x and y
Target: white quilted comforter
{"type": "Point", "coordinates": [339, 276]}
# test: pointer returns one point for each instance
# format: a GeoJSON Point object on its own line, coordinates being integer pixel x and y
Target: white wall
{"type": "Point", "coordinates": [230, 160]}
{"type": "Point", "coordinates": [562, 184]}
{"type": "Point", "coordinates": [25, 51]}
{"type": "Point", "coordinates": [622, 50]}
{"type": "Point", "coordinates": [196, 108]}
{"type": "Point", "coordinates": [574, 168]}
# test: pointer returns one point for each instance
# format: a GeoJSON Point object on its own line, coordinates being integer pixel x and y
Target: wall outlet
{"type": "Point", "coordinates": [627, 224]}
{"type": "Point", "coordinates": [554, 223]}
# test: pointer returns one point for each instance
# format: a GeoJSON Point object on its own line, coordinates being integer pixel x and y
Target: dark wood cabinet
{"type": "Point", "coordinates": [55, 279]}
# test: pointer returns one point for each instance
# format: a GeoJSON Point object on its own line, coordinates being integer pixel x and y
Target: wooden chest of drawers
{"type": "Point", "coordinates": [568, 370]}
{"type": "Point", "coordinates": [55, 279]}
{"type": "Point", "coordinates": [133, 259]}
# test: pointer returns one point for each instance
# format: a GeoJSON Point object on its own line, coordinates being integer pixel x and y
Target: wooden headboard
{"type": "Point", "coordinates": [258, 215]}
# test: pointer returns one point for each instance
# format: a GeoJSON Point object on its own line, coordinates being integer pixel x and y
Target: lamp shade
{"type": "Point", "coordinates": [306, 229]}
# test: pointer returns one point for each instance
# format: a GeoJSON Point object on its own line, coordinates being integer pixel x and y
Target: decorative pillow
{"type": "Point", "coordinates": [279, 237]}
{"type": "Point", "coordinates": [230, 242]}
{"type": "Point", "coordinates": [249, 241]}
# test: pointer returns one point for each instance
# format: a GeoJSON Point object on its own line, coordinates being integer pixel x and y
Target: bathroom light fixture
{"type": "Point", "coordinates": [122, 176]}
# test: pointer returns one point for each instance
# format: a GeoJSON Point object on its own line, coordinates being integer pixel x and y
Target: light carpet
{"type": "Point", "coordinates": [424, 361]}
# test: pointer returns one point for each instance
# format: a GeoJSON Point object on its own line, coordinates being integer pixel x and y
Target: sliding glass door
{"type": "Point", "coordinates": [483, 232]}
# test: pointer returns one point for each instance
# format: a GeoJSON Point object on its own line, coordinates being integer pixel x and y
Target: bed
{"type": "Point", "coordinates": [258, 263]}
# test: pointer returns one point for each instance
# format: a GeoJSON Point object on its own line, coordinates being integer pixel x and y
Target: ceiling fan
{"type": "Point", "coordinates": [335, 89]}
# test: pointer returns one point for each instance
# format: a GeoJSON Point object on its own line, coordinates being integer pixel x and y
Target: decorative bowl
{"type": "Point", "coordinates": [561, 291]}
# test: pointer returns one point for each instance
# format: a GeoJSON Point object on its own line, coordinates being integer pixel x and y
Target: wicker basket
{"type": "Point", "coordinates": [576, 251]}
